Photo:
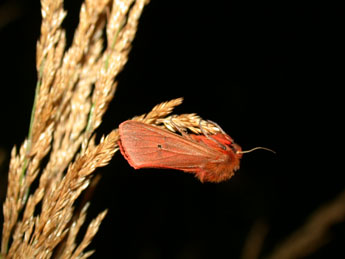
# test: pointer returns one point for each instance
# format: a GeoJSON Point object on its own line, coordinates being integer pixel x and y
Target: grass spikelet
{"type": "Point", "coordinates": [159, 111]}
{"type": "Point", "coordinates": [74, 88]}
{"type": "Point", "coordinates": [159, 115]}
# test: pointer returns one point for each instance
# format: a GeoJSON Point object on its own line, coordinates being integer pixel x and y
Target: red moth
{"type": "Point", "coordinates": [212, 158]}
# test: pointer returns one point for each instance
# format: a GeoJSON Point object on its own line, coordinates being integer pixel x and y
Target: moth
{"type": "Point", "coordinates": [212, 158]}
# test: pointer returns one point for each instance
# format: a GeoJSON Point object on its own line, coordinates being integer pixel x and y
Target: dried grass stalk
{"type": "Point", "coordinates": [73, 91]}
{"type": "Point", "coordinates": [314, 233]}
{"type": "Point", "coordinates": [74, 88]}
{"type": "Point", "coordinates": [159, 115]}
{"type": "Point", "coordinates": [255, 240]}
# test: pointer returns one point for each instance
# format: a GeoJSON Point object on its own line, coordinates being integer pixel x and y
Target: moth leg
{"type": "Point", "coordinates": [202, 130]}
{"type": "Point", "coordinates": [217, 125]}
{"type": "Point", "coordinates": [221, 130]}
{"type": "Point", "coordinates": [209, 137]}
{"type": "Point", "coordinates": [183, 132]}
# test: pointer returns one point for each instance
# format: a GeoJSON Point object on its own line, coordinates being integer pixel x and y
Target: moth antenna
{"type": "Point", "coordinates": [256, 148]}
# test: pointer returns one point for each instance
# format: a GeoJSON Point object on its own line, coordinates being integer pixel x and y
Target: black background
{"type": "Point", "coordinates": [265, 72]}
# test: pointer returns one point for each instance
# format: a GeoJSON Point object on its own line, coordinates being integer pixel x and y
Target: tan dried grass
{"type": "Point", "coordinates": [191, 121]}
{"type": "Point", "coordinates": [74, 88]}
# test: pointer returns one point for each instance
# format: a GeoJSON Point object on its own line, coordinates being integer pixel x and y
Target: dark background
{"type": "Point", "coordinates": [265, 72]}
